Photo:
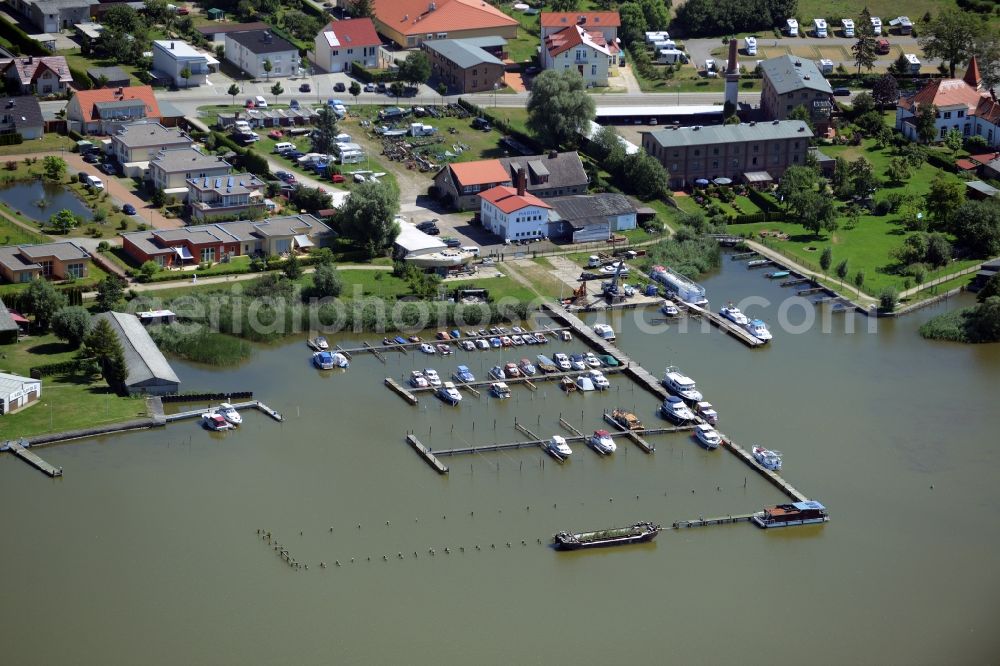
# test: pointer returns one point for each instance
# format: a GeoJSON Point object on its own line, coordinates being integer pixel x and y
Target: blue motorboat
{"type": "Point", "coordinates": [399, 340]}
{"type": "Point", "coordinates": [463, 374]}
{"type": "Point", "coordinates": [323, 360]}
{"type": "Point", "coordinates": [456, 334]}
{"type": "Point", "coordinates": [774, 275]}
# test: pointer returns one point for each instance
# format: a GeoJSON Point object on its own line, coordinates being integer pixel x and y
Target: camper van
{"type": "Point", "coordinates": [914, 63]}
{"type": "Point", "coordinates": [351, 157]}
{"type": "Point", "coordinates": [819, 28]}
{"type": "Point", "coordinates": [848, 26]}
{"type": "Point", "coordinates": [656, 36]}
{"type": "Point", "coordinates": [877, 26]}
{"type": "Point", "coordinates": [792, 27]}
{"type": "Point", "coordinates": [903, 24]}
{"type": "Point", "coordinates": [710, 69]}
{"type": "Point", "coordinates": [671, 57]}
{"type": "Point", "coordinates": [751, 44]}
{"type": "Point", "coordinates": [665, 44]}
{"type": "Point", "coordinates": [825, 66]}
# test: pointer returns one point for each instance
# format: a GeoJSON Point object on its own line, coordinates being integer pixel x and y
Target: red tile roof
{"type": "Point", "coordinates": [988, 109]}
{"type": "Point", "coordinates": [942, 93]}
{"type": "Point", "coordinates": [482, 172]}
{"type": "Point", "coordinates": [972, 76]}
{"type": "Point", "coordinates": [354, 32]}
{"type": "Point", "coordinates": [576, 35]}
{"type": "Point", "coordinates": [966, 165]}
{"type": "Point", "coordinates": [414, 17]}
{"type": "Point", "coordinates": [508, 200]}
{"type": "Point", "coordinates": [88, 98]}
{"type": "Point", "coordinates": [590, 19]}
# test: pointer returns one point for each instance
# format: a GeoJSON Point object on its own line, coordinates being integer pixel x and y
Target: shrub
{"type": "Point", "coordinates": [887, 299]}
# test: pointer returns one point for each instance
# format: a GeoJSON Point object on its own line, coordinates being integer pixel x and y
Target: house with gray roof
{"type": "Point", "coordinates": [789, 82]}
{"type": "Point", "coordinates": [9, 330]}
{"type": "Point", "coordinates": [54, 15]}
{"type": "Point", "coordinates": [690, 154]}
{"type": "Point", "coordinates": [22, 115]}
{"type": "Point", "coordinates": [61, 260]}
{"type": "Point", "coordinates": [250, 49]}
{"type": "Point", "coordinates": [148, 370]}
{"type": "Point", "coordinates": [276, 236]}
{"type": "Point", "coordinates": [466, 65]}
{"type": "Point", "coordinates": [136, 144]}
{"type": "Point", "coordinates": [171, 169]}
{"type": "Point", "coordinates": [226, 196]}
{"type": "Point", "coordinates": [554, 174]}
{"type": "Point", "coordinates": [590, 217]}
{"type": "Point", "coordinates": [109, 77]}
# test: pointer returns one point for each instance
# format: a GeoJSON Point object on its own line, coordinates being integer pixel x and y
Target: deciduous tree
{"type": "Point", "coordinates": [951, 36]}
{"type": "Point", "coordinates": [559, 107]}
{"type": "Point", "coordinates": [71, 324]}
{"type": "Point", "coordinates": [368, 217]}
{"type": "Point", "coordinates": [44, 301]}
{"type": "Point", "coordinates": [233, 91]}
{"type": "Point", "coordinates": [416, 69]}
{"type": "Point", "coordinates": [54, 167]}
{"type": "Point", "coordinates": [885, 92]}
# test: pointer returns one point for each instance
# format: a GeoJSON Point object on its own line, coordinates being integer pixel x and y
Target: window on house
{"type": "Point", "coordinates": [350, 51]}
{"type": "Point", "coordinates": [715, 164]}
{"type": "Point", "coordinates": [715, 151]}
{"type": "Point", "coordinates": [46, 268]}
{"type": "Point", "coordinates": [75, 270]}
{"type": "Point", "coordinates": [697, 153]}
{"type": "Point", "coordinates": [593, 70]}
{"type": "Point", "coordinates": [947, 115]}
{"type": "Point", "coordinates": [754, 161]}
{"type": "Point", "coordinates": [961, 114]}
{"type": "Point", "coordinates": [334, 53]}
{"type": "Point", "coordinates": [208, 254]}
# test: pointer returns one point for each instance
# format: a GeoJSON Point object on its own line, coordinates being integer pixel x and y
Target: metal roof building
{"type": "Point", "coordinates": [726, 134]}
{"type": "Point", "coordinates": [148, 369]}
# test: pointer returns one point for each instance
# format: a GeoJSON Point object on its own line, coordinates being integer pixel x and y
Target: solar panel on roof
{"type": "Point", "coordinates": [230, 183]}
{"type": "Point", "coordinates": [218, 182]}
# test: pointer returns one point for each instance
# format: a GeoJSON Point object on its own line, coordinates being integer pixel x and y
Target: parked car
{"type": "Point", "coordinates": [842, 92]}
{"type": "Point", "coordinates": [339, 86]}
{"type": "Point", "coordinates": [427, 224]}
{"type": "Point", "coordinates": [381, 88]}
{"type": "Point", "coordinates": [481, 124]}
{"type": "Point", "coordinates": [183, 11]}
{"type": "Point", "coordinates": [250, 104]}
{"type": "Point", "coordinates": [108, 169]}
{"type": "Point", "coordinates": [275, 134]}
{"type": "Point", "coordinates": [369, 87]}
{"type": "Point", "coordinates": [452, 242]}
{"type": "Point", "coordinates": [337, 177]}
{"type": "Point", "coordinates": [305, 87]}
{"type": "Point", "coordinates": [128, 209]}
{"type": "Point", "coordinates": [91, 158]}
{"type": "Point", "coordinates": [260, 102]}
{"type": "Point", "coordinates": [432, 231]}
{"type": "Point", "coordinates": [293, 154]}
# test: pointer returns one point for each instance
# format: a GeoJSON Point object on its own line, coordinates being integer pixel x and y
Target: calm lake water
{"type": "Point", "coordinates": [40, 200]}
{"type": "Point", "coordinates": [147, 552]}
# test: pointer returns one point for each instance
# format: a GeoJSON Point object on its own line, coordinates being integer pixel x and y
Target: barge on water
{"type": "Point", "coordinates": [809, 512]}
{"type": "Point", "coordinates": [618, 536]}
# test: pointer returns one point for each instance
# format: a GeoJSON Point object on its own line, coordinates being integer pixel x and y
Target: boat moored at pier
{"type": "Point", "coordinates": [767, 458]}
{"type": "Point", "coordinates": [809, 512]}
{"type": "Point", "coordinates": [679, 286]}
{"type": "Point", "coordinates": [680, 384]}
{"type": "Point", "coordinates": [449, 393]}
{"type": "Point", "coordinates": [618, 536]}
{"type": "Point", "coordinates": [626, 420]}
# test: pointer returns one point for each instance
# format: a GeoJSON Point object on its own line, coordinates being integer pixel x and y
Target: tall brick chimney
{"type": "Point", "coordinates": [522, 182]}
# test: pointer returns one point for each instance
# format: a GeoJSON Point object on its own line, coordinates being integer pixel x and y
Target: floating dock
{"type": "Point", "coordinates": [20, 449]}
{"type": "Point", "coordinates": [398, 389]}
{"type": "Point", "coordinates": [253, 404]}
{"type": "Point", "coordinates": [426, 454]}
{"type": "Point", "coordinates": [535, 441]}
{"type": "Point", "coordinates": [405, 346]}
{"type": "Point", "coordinates": [724, 324]}
{"type": "Point", "coordinates": [633, 435]}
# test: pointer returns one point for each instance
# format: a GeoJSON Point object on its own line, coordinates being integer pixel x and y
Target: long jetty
{"type": "Point", "coordinates": [406, 346]}
{"type": "Point", "coordinates": [650, 383]}
{"type": "Point", "coordinates": [723, 324]}
{"type": "Point", "coordinates": [20, 449]}
{"type": "Point", "coordinates": [252, 404]}
{"type": "Point", "coordinates": [719, 520]}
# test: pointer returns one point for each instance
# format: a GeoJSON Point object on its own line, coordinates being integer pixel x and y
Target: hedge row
{"type": "Point", "coordinates": [246, 158]}
{"type": "Point", "coordinates": [368, 76]}
{"type": "Point", "coordinates": [11, 139]}
{"type": "Point", "coordinates": [20, 39]}
{"type": "Point", "coordinates": [49, 369]}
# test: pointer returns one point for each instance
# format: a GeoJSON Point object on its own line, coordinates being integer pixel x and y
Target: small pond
{"type": "Point", "coordinates": [39, 200]}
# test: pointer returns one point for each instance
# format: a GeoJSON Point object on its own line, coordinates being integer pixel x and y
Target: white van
{"type": "Point", "coordinates": [260, 102]}
{"type": "Point", "coordinates": [877, 26]}
{"type": "Point", "coordinates": [471, 249]}
{"type": "Point", "coordinates": [751, 44]}
{"type": "Point", "coordinates": [848, 26]}
{"type": "Point", "coordinates": [792, 27]}
{"type": "Point", "coordinates": [95, 182]}
{"type": "Point", "coordinates": [283, 146]}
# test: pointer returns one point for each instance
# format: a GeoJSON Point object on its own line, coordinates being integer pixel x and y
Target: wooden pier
{"type": "Point", "coordinates": [426, 454]}
{"type": "Point", "coordinates": [535, 441]}
{"type": "Point", "coordinates": [774, 478]}
{"type": "Point", "coordinates": [810, 290]}
{"type": "Point", "coordinates": [20, 449]}
{"type": "Point", "coordinates": [528, 381]}
{"type": "Point", "coordinates": [724, 324]}
{"type": "Point", "coordinates": [366, 348]}
{"type": "Point", "coordinates": [405, 346]}
{"type": "Point", "coordinates": [797, 280]}
{"type": "Point", "coordinates": [720, 520]}
{"type": "Point", "coordinates": [400, 391]}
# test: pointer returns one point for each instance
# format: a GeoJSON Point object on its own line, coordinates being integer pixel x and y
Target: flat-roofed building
{"type": "Point", "coordinates": [62, 260]}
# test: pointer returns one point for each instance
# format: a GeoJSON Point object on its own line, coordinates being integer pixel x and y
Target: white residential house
{"type": "Point", "coordinates": [135, 144]}
{"type": "Point", "coordinates": [171, 169]}
{"type": "Point", "coordinates": [171, 56]}
{"type": "Point", "coordinates": [513, 214]}
{"type": "Point", "coordinates": [17, 392]}
{"type": "Point", "coordinates": [587, 52]}
{"type": "Point", "coordinates": [342, 42]}
{"type": "Point", "coordinates": [960, 104]}
{"type": "Point", "coordinates": [250, 49]}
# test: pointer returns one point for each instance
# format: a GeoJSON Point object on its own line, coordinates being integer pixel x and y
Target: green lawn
{"type": "Point", "coordinates": [525, 47]}
{"type": "Point", "coordinates": [50, 142]}
{"type": "Point", "coordinates": [499, 288]}
{"type": "Point", "coordinates": [13, 234]}
{"type": "Point", "coordinates": [359, 283]}
{"type": "Point", "coordinates": [67, 401]}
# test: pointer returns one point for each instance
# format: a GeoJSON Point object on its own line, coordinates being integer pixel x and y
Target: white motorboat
{"type": "Point", "coordinates": [431, 375]}
{"type": "Point", "coordinates": [767, 458]}
{"type": "Point", "coordinates": [559, 446]}
{"type": "Point", "coordinates": [527, 368]}
{"type": "Point", "coordinates": [578, 362]}
{"type": "Point", "coordinates": [707, 435]}
{"type": "Point", "coordinates": [562, 361]}
{"type": "Point", "coordinates": [482, 343]}
{"type": "Point", "coordinates": [427, 348]}
{"type": "Point", "coordinates": [591, 360]}
{"type": "Point", "coordinates": [418, 380]}
{"type": "Point", "coordinates": [605, 331]}
{"type": "Point", "coordinates": [601, 382]}
{"type": "Point", "coordinates": [668, 308]}
{"type": "Point", "coordinates": [707, 412]}
{"type": "Point", "coordinates": [602, 442]}
{"type": "Point", "coordinates": [463, 374]}
{"type": "Point", "coordinates": [617, 268]}
{"type": "Point", "coordinates": [758, 329]}
{"type": "Point", "coordinates": [517, 340]}
{"type": "Point", "coordinates": [340, 360]}
{"type": "Point", "coordinates": [496, 372]}
{"type": "Point", "coordinates": [449, 394]}
{"type": "Point", "coordinates": [500, 390]}
{"type": "Point", "coordinates": [215, 421]}
{"type": "Point", "coordinates": [676, 411]}
{"type": "Point", "coordinates": [585, 383]}
{"type": "Point", "coordinates": [565, 336]}
{"type": "Point", "coordinates": [680, 384]}
{"type": "Point", "coordinates": [228, 412]}
{"type": "Point", "coordinates": [733, 314]}
{"type": "Point", "coordinates": [319, 343]}
{"type": "Point", "coordinates": [467, 345]}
